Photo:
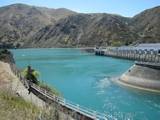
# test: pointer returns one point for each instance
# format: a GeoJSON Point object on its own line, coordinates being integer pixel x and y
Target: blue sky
{"type": "Point", "coordinates": [126, 8]}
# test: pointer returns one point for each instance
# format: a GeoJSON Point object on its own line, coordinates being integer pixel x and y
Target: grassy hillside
{"type": "Point", "coordinates": [15, 108]}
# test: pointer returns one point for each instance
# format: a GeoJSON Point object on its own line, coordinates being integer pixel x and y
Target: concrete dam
{"type": "Point", "coordinates": [145, 73]}
{"type": "Point", "coordinates": [144, 76]}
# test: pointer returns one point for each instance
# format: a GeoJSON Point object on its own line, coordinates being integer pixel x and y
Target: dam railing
{"type": "Point", "coordinates": [144, 55]}
{"type": "Point", "coordinates": [80, 112]}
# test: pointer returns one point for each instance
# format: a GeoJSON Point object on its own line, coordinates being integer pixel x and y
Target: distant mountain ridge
{"type": "Point", "coordinates": [19, 21]}
{"type": "Point", "coordinates": [84, 30]}
{"type": "Point", "coordinates": [30, 26]}
{"type": "Point", "coordinates": [147, 25]}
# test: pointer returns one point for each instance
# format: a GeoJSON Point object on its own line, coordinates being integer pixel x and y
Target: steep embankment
{"type": "Point", "coordinates": [15, 98]}
{"type": "Point", "coordinates": [30, 26]}
{"type": "Point", "coordinates": [10, 103]}
{"type": "Point", "coordinates": [17, 104]}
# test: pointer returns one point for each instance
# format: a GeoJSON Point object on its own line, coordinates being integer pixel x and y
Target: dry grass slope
{"type": "Point", "coordinates": [15, 108]}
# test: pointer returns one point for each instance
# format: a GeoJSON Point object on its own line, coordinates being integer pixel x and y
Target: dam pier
{"type": "Point", "coordinates": [143, 76]}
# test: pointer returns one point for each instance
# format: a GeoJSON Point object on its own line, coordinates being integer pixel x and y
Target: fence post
{"type": "Point", "coordinates": [64, 101]}
{"type": "Point", "coordinates": [78, 107]}
{"type": "Point", "coordinates": [95, 115]}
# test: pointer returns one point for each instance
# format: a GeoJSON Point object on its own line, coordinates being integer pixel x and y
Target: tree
{"type": "Point", "coordinates": [31, 74]}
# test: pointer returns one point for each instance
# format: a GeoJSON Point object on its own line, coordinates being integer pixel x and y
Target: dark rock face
{"type": "Point", "coordinates": [28, 26]}
{"type": "Point", "coordinates": [6, 56]}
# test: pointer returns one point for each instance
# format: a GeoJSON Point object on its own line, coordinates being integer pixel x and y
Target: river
{"type": "Point", "coordinates": [89, 80]}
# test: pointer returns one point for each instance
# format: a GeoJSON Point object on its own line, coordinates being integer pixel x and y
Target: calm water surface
{"type": "Point", "coordinates": [87, 80]}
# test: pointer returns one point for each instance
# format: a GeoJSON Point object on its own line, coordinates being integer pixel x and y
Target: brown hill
{"type": "Point", "coordinates": [147, 25]}
{"type": "Point", "coordinates": [29, 26]}
{"type": "Point", "coordinates": [100, 29]}
{"type": "Point", "coordinates": [85, 30]}
{"type": "Point", "coordinates": [19, 22]}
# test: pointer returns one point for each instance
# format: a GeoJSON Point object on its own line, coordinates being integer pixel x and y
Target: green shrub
{"type": "Point", "coordinates": [50, 89]}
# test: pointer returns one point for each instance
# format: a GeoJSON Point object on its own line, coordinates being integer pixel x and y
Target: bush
{"type": "Point", "coordinates": [116, 43]}
{"type": "Point", "coordinates": [50, 89]}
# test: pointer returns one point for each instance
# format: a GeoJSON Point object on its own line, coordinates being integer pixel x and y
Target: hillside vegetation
{"type": "Point", "coordinates": [15, 108]}
{"type": "Point", "coordinates": [30, 26]}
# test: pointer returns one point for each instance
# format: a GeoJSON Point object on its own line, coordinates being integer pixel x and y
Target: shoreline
{"type": "Point", "coordinates": [52, 48]}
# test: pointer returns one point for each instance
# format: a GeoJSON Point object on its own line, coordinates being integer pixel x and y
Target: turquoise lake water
{"type": "Point", "coordinates": [87, 80]}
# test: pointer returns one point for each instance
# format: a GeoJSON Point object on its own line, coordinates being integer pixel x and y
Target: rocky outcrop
{"type": "Point", "coordinates": [6, 56]}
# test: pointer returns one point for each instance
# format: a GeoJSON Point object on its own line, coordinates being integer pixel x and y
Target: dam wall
{"type": "Point", "coordinates": [145, 54]}
{"type": "Point", "coordinates": [145, 73]}
{"type": "Point", "coordinates": [142, 75]}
